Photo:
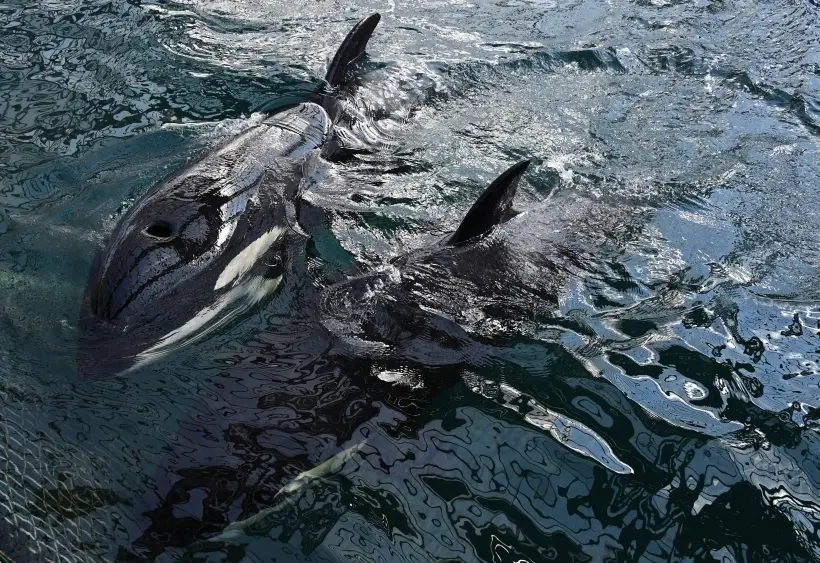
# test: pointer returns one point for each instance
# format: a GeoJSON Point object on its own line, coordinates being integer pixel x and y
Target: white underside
{"type": "Point", "coordinates": [210, 318]}
{"type": "Point", "coordinates": [236, 530]}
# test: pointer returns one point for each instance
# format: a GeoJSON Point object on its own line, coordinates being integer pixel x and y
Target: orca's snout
{"type": "Point", "coordinates": [102, 351]}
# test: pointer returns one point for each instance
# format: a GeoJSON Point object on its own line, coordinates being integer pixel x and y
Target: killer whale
{"type": "Point", "coordinates": [352, 366]}
{"type": "Point", "coordinates": [377, 319]}
{"type": "Point", "coordinates": [212, 239]}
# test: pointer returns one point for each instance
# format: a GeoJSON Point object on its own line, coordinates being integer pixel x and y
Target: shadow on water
{"type": "Point", "coordinates": [639, 377]}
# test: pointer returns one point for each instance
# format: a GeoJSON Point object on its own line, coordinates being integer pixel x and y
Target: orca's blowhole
{"type": "Point", "coordinates": [160, 229]}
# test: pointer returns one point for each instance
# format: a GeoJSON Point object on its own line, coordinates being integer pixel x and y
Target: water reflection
{"type": "Point", "coordinates": [635, 378]}
{"type": "Point", "coordinates": [505, 492]}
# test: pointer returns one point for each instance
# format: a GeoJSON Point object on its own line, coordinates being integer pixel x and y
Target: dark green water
{"type": "Point", "coordinates": [664, 406]}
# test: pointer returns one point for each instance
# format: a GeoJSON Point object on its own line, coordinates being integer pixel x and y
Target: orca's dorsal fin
{"type": "Point", "coordinates": [351, 49]}
{"type": "Point", "coordinates": [494, 206]}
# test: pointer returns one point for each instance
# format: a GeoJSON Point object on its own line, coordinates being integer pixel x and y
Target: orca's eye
{"type": "Point", "coordinates": [160, 230]}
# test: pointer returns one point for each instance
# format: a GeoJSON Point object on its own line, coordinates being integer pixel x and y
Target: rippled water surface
{"type": "Point", "coordinates": [648, 389]}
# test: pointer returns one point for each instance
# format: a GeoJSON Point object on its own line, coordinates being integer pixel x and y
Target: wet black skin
{"type": "Point", "coordinates": [212, 239]}
{"type": "Point", "coordinates": [162, 263]}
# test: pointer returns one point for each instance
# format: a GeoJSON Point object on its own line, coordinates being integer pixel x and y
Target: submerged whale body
{"type": "Point", "coordinates": [211, 240]}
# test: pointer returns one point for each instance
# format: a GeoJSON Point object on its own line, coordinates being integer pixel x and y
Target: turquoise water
{"type": "Point", "coordinates": [654, 396]}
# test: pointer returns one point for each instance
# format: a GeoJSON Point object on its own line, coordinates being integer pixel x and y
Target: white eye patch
{"type": "Point", "coordinates": [245, 260]}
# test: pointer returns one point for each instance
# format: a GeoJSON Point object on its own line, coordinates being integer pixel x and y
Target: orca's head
{"type": "Point", "coordinates": [149, 255]}
{"type": "Point", "coordinates": [172, 269]}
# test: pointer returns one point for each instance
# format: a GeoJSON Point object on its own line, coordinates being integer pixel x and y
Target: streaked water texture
{"type": "Point", "coordinates": [653, 318]}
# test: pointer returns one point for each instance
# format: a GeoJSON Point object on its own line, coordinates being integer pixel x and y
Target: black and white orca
{"type": "Point", "coordinates": [211, 240]}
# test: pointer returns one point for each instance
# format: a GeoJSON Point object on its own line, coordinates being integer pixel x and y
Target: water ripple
{"type": "Point", "coordinates": [636, 370]}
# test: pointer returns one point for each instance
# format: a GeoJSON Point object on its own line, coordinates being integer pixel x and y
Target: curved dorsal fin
{"type": "Point", "coordinates": [351, 49]}
{"type": "Point", "coordinates": [494, 206]}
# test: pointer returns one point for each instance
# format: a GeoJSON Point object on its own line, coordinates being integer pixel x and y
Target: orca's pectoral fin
{"type": "Point", "coordinates": [351, 49]}
{"type": "Point", "coordinates": [494, 206]}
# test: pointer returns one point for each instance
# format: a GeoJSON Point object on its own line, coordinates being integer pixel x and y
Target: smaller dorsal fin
{"type": "Point", "coordinates": [494, 206]}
